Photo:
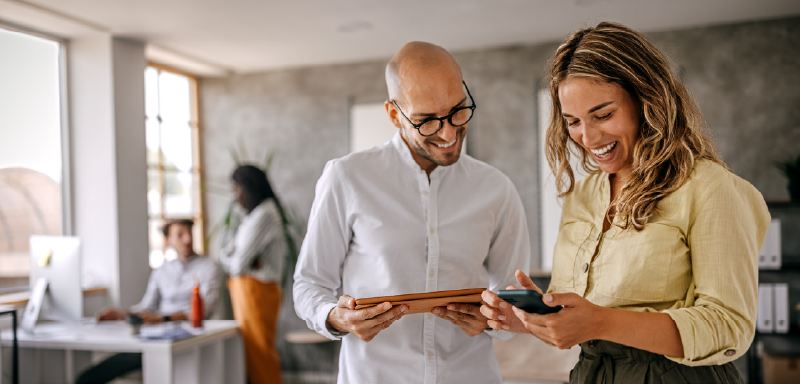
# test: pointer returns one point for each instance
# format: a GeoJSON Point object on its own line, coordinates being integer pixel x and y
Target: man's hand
{"type": "Point", "coordinates": [149, 318]}
{"type": "Point", "coordinates": [364, 323]}
{"type": "Point", "coordinates": [467, 316]}
{"type": "Point", "coordinates": [110, 315]}
{"type": "Point", "coordinates": [500, 313]}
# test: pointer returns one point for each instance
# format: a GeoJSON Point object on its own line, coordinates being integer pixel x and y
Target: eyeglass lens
{"type": "Point", "coordinates": [458, 119]}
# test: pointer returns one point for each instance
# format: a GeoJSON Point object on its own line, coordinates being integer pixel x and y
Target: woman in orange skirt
{"type": "Point", "coordinates": [253, 254]}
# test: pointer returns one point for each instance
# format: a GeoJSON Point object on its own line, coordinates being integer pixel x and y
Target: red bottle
{"type": "Point", "coordinates": [197, 308]}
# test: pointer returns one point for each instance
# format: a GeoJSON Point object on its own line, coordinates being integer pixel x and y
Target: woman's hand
{"type": "Point", "coordinates": [579, 321]}
{"type": "Point", "coordinates": [499, 312]}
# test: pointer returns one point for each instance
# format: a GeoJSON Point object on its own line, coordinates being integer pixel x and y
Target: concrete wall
{"type": "Point", "coordinates": [746, 78]}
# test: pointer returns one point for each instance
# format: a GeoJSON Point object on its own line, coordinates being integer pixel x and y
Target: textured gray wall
{"type": "Point", "coordinates": [746, 78]}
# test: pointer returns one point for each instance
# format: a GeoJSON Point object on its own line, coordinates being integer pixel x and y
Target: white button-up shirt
{"type": "Point", "coordinates": [169, 290]}
{"type": "Point", "coordinates": [378, 228]}
{"type": "Point", "coordinates": [260, 237]}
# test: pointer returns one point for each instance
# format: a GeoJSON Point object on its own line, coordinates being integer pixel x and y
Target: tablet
{"type": "Point", "coordinates": [425, 302]}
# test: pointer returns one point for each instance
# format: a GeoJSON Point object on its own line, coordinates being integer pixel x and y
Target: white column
{"type": "Point", "coordinates": [108, 162]}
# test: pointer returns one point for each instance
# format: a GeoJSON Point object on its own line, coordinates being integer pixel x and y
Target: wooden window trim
{"type": "Point", "coordinates": [197, 155]}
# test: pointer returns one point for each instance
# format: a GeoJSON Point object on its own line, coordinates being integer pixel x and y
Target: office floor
{"type": "Point", "coordinates": [523, 360]}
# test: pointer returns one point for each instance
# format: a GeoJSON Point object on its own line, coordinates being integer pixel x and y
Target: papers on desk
{"type": "Point", "coordinates": [168, 331]}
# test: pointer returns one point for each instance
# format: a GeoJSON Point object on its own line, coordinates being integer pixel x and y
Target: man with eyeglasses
{"type": "Point", "coordinates": [412, 215]}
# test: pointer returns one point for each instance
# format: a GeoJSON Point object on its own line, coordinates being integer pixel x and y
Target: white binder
{"type": "Point", "coordinates": [781, 309]}
{"type": "Point", "coordinates": [764, 322]}
{"type": "Point", "coordinates": [770, 255]}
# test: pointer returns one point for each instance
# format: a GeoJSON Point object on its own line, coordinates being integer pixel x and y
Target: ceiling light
{"type": "Point", "coordinates": [588, 3]}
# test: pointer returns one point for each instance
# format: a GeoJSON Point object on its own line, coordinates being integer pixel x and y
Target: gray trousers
{"type": "Point", "coordinates": [604, 362]}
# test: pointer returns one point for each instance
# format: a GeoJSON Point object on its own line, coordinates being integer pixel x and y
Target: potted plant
{"type": "Point", "coordinates": [791, 169]}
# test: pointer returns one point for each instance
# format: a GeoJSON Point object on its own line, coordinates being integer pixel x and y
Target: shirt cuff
{"type": "Point", "coordinates": [322, 323]}
{"type": "Point", "coordinates": [683, 320]}
{"type": "Point", "coordinates": [498, 334]}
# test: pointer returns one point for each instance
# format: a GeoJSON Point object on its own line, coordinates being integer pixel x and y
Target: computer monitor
{"type": "Point", "coordinates": [58, 259]}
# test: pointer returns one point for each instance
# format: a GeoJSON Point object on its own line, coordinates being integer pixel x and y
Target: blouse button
{"type": "Point", "coordinates": [730, 352]}
{"type": "Point", "coordinates": [585, 267]}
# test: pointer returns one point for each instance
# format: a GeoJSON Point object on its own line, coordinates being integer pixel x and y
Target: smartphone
{"type": "Point", "coordinates": [527, 300]}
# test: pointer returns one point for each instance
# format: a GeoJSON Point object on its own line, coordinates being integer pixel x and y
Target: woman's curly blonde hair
{"type": "Point", "coordinates": [671, 137]}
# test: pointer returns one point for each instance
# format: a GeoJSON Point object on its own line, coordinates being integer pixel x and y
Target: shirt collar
{"type": "Point", "coordinates": [405, 153]}
{"type": "Point", "coordinates": [189, 260]}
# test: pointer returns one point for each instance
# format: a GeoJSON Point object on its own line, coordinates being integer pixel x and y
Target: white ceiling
{"type": "Point", "coordinates": [253, 35]}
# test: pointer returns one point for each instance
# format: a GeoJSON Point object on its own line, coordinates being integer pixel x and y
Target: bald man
{"type": "Point", "coordinates": [412, 215]}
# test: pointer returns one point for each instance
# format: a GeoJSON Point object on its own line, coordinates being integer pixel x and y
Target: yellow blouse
{"type": "Point", "coordinates": [696, 259]}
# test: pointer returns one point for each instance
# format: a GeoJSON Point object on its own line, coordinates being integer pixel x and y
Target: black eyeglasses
{"type": "Point", "coordinates": [431, 126]}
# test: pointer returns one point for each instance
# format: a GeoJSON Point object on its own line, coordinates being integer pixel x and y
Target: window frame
{"type": "Point", "coordinates": [198, 169]}
{"type": "Point", "coordinates": [67, 219]}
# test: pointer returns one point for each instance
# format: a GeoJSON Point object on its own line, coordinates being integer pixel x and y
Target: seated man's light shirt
{"type": "Point", "coordinates": [378, 220]}
{"type": "Point", "coordinates": [170, 287]}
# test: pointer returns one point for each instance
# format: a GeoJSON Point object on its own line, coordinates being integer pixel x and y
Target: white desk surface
{"type": "Point", "coordinates": [112, 336]}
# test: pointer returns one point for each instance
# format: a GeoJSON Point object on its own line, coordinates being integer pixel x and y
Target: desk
{"type": "Point", "coordinates": [216, 356]}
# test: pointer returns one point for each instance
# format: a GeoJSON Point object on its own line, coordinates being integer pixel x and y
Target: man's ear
{"type": "Point", "coordinates": [391, 110]}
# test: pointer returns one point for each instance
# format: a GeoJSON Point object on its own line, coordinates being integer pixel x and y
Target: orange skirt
{"type": "Point", "coordinates": [255, 306]}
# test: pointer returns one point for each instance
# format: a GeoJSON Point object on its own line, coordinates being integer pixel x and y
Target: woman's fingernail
{"type": "Point", "coordinates": [451, 307]}
{"type": "Point", "coordinates": [505, 327]}
{"type": "Point", "coordinates": [503, 305]}
{"type": "Point", "coordinates": [387, 306]}
{"type": "Point", "coordinates": [404, 309]}
{"type": "Point", "coordinates": [436, 311]}
{"type": "Point", "coordinates": [548, 297]}
{"type": "Point", "coordinates": [502, 317]}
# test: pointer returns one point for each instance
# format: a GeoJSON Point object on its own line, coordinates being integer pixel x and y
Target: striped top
{"type": "Point", "coordinates": [256, 246]}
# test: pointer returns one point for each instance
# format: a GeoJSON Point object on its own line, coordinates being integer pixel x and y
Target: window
{"type": "Point", "coordinates": [30, 150]}
{"type": "Point", "coordinates": [173, 163]}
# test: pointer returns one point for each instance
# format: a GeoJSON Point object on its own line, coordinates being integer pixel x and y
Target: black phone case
{"type": "Point", "coordinates": [527, 300]}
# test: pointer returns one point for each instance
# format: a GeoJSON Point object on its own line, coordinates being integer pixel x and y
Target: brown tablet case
{"type": "Point", "coordinates": [424, 302]}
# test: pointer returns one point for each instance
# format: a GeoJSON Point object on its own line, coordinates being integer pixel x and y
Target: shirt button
{"type": "Point", "coordinates": [430, 315]}
{"type": "Point", "coordinates": [730, 352]}
{"type": "Point", "coordinates": [586, 268]}
{"type": "Point", "coordinates": [430, 354]}
{"type": "Point", "coordinates": [431, 273]}
{"type": "Point", "coordinates": [424, 192]}
{"type": "Point", "coordinates": [431, 229]}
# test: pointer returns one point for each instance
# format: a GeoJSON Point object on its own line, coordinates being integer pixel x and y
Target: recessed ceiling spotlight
{"type": "Point", "coordinates": [588, 3]}
{"type": "Point", "coordinates": [355, 26]}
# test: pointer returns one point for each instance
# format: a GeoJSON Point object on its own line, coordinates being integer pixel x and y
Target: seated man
{"type": "Point", "coordinates": [168, 298]}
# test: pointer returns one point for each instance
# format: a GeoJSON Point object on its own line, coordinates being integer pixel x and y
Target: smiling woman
{"type": "Point", "coordinates": [655, 259]}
